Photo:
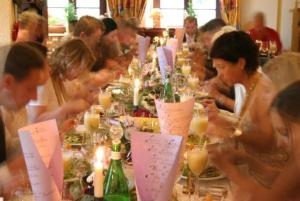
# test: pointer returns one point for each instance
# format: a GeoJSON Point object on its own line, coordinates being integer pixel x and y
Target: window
{"type": "Point", "coordinates": [205, 10]}
{"type": "Point", "coordinates": [88, 7]}
{"type": "Point", "coordinates": [56, 10]}
{"type": "Point", "coordinates": [173, 12]}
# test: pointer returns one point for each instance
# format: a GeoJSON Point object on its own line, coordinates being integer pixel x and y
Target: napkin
{"type": "Point", "coordinates": [173, 43]}
{"type": "Point", "coordinates": [155, 164]}
{"type": "Point", "coordinates": [165, 58]}
{"type": "Point", "coordinates": [175, 118]}
{"type": "Point", "coordinates": [43, 157]}
{"type": "Point", "coordinates": [240, 95]}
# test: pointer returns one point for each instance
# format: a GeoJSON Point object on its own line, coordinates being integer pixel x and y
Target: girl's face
{"type": "Point", "coordinates": [281, 131]}
{"type": "Point", "coordinates": [229, 73]}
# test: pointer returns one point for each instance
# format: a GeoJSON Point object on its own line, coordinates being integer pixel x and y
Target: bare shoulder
{"type": "Point", "coordinates": [265, 89]}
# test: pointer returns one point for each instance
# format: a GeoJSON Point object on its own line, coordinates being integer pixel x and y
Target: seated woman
{"type": "Point", "coordinates": [67, 63]}
{"type": "Point", "coordinates": [235, 57]}
{"type": "Point", "coordinates": [110, 52]}
{"type": "Point", "coordinates": [283, 70]}
{"type": "Point", "coordinates": [285, 115]}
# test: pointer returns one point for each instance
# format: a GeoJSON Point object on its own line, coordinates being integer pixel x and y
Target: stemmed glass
{"type": "Point", "coordinates": [199, 123]}
{"type": "Point", "coordinates": [91, 123]}
{"type": "Point", "coordinates": [264, 49]}
{"type": "Point", "coordinates": [272, 48]}
{"type": "Point", "coordinates": [193, 81]}
{"type": "Point", "coordinates": [105, 101]}
{"type": "Point", "coordinates": [197, 160]}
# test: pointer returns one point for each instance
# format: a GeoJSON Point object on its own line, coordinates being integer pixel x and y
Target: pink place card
{"type": "Point", "coordinates": [43, 157]}
{"type": "Point", "coordinates": [173, 43]}
{"type": "Point", "coordinates": [175, 118]}
{"type": "Point", "coordinates": [165, 58]}
{"type": "Point", "coordinates": [179, 34]}
{"type": "Point", "coordinates": [155, 163]}
{"type": "Point", "coordinates": [143, 46]}
{"type": "Point", "coordinates": [168, 50]}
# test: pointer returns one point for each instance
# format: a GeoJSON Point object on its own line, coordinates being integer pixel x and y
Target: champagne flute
{"type": "Point", "coordinates": [199, 123]}
{"type": "Point", "coordinates": [186, 70]}
{"type": "Point", "coordinates": [193, 82]}
{"type": "Point", "coordinates": [272, 48]}
{"type": "Point", "coordinates": [91, 123]}
{"type": "Point", "coordinates": [197, 160]}
{"type": "Point", "coordinates": [105, 101]}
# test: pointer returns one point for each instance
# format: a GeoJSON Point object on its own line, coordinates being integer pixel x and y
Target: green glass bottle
{"type": "Point", "coordinates": [115, 183]}
{"type": "Point", "coordinates": [168, 95]}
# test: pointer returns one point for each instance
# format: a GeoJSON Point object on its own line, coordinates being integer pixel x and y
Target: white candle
{"type": "Point", "coordinates": [136, 92]}
{"type": "Point", "coordinates": [99, 179]}
{"type": "Point", "coordinates": [154, 60]}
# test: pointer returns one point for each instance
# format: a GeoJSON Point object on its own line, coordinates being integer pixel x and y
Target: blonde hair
{"type": "Point", "coordinates": [28, 18]}
{"type": "Point", "coordinates": [67, 56]}
{"type": "Point", "coordinates": [284, 69]}
{"type": "Point", "coordinates": [69, 53]}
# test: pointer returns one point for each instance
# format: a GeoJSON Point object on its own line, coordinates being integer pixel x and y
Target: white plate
{"type": "Point", "coordinates": [221, 176]}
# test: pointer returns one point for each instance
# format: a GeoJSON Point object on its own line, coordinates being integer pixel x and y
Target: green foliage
{"type": "Point", "coordinates": [190, 11]}
{"type": "Point", "coordinates": [55, 21]}
{"type": "Point", "coordinates": [71, 12]}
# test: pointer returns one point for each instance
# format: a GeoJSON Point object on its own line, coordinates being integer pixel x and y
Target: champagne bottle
{"type": "Point", "coordinates": [115, 183]}
{"type": "Point", "coordinates": [168, 95]}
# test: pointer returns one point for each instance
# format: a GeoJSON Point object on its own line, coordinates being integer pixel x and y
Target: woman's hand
{"type": "Point", "coordinates": [219, 157]}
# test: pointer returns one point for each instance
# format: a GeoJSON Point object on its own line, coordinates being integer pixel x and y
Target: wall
{"type": "Point", "coordinates": [6, 21]}
{"type": "Point", "coordinates": [270, 8]}
{"type": "Point", "coordinates": [250, 7]}
{"type": "Point", "coordinates": [286, 23]}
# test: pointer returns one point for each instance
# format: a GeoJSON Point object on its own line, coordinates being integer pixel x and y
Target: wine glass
{"type": "Point", "coordinates": [193, 81]}
{"type": "Point", "coordinates": [186, 70]}
{"type": "Point", "coordinates": [197, 160]}
{"type": "Point", "coordinates": [105, 101]}
{"type": "Point", "coordinates": [199, 123]}
{"type": "Point", "coordinates": [264, 49]}
{"type": "Point", "coordinates": [272, 48]}
{"type": "Point", "coordinates": [91, 123]}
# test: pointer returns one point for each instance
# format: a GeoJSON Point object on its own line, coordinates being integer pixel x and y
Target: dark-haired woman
{"type": "Point", "coordinates": [285, 115]}
{"type": "Point", "coordinates": [235, 56]}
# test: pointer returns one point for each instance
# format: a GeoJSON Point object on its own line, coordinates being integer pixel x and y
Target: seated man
{"type": "Point", "coordinates": [263, 33]}
{"type": "Point", "coordinates": [206, 34]}
{"type": "Point", "coordinates": [31, 27]}
{"type": "Point", "coordinates": [127, 33]}
{"type": "Point", "coordinates": [90, 30]}
{"type": "Point", "coordinates": [23, 68]}
{"type": "Point", "coordinates": [190, 30]}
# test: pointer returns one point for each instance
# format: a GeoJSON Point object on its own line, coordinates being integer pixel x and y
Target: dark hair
{"type": "Point", "coordinates": [38, 46]}
{"type": "Point", "coordinates": [213, 25]}
{"type": "Point", "coordinates": [235, 45]}
{"type": "Point", "coordinates": [287, 102]}
{"type": "Point", "coordinates": [88, 25]}
{"type": "Point", "coordinates": [110, 25]}
{"type": "Point", "coordinates": [190, 19]}
{"type": "Point", "coordinates": [21, 59]}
